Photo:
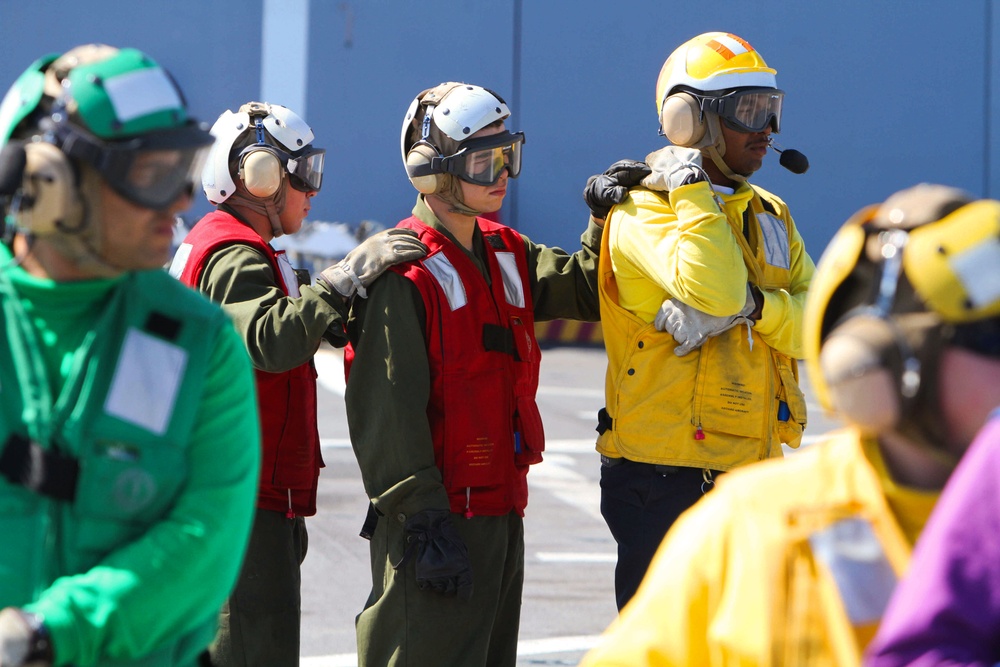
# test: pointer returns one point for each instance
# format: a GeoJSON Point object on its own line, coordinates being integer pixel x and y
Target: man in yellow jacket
{"type": "Point", "coordinates": [701, 254]}
{"type": "Point", "coordinates": [792, 562]}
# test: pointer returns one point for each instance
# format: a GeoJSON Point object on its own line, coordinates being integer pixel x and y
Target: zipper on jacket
{"type": "Point", "coordinates": [290, 514]}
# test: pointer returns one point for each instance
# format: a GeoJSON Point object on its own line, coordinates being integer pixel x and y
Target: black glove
{"type": "Point", "coordinates": [441, 558]}
{"type": "Point", "coordinates": [605, 190]}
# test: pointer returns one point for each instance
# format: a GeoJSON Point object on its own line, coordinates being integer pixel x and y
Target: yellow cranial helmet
{"type": "Point", "coordinates": [897, 283]}
{"type": "Point", "coordinates": [713, 62]}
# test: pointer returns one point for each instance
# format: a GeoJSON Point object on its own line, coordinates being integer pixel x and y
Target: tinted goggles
{"type": "Point", "coordinates": [982, 337]}
{"type": "Point", "coordinates": [481, 161]}
{"type": "Point", "coordinates": [151, 171]}
{"type": "Point", "coordinates": [748, 109]}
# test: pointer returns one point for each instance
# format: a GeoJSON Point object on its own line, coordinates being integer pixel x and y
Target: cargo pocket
{"type": "Point", "coordinates": [123, 488]}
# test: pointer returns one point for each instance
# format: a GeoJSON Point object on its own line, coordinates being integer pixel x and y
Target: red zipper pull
{"type": "Point", "coordinates": [699, 434]}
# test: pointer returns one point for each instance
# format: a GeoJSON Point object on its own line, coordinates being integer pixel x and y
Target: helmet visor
{"type": "Point", "coordinates": [306, 169]}
{"type": "Point", "coordinates": [749, 109]}
{"type": "Point", "coordinates": [481, 161]}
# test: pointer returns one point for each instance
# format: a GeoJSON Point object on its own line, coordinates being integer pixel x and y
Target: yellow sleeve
{"type": "Point", "coordinates": [683, 247]}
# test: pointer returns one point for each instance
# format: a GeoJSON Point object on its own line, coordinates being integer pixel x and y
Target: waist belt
{"type": "Point", "coordinates": [43, 471]}
{"type": "Point", "coordinates": [612, 462]}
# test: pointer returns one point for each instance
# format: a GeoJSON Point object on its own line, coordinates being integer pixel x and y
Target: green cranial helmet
{"type": "Point", "coordinates": [95, 116]}
{"type": "Point", "coordinates": [105, 107]}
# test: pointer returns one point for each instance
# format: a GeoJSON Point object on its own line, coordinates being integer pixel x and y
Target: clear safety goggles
{"type": "Point", "coordinates": [481, 161]}
{"type": "Point", "coordinates": [151, 171]}
{"type": "Point", "coordinates": [748, 109]}
{"type": "Point", "coordinates": [305, 169]}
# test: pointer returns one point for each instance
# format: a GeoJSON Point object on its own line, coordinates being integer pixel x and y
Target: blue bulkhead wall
{"type": "Point", "coordinates": [879, 95]}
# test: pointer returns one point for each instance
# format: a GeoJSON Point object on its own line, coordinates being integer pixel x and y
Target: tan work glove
{"type": "Point", "coordinates": [672, 167]}
{"type": "Point", "coordinates": [691, 328]}
{"type": "Point", "coordinates": [370, 259]}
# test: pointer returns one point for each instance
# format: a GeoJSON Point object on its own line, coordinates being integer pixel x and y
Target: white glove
{"type": "Point", "coordinates": [672, 167]}
{"type": "Point", "coordinates": [370, 259]}
{"type": "Point", "coordinates": [691, 328]}
{"type": "Point", "coordinates": [24, 641]}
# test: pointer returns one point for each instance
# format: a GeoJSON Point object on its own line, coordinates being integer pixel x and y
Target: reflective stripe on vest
{"type": "Point", "coordinates": [775, 237]}
{"type": "Point", "coordinates": [857, 562]}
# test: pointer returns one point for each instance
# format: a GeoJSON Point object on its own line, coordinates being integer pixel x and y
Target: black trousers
{"type": "Point", "coordinates": [639, 502]}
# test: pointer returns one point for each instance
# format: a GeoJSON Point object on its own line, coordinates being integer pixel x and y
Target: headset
{"type": "Point", "coordinates": [871, 371]}
{"type": "Point", "coordinates": [261, 168]}
{"type": "Point", "coordinates": [684, 123]}
{"type": "Point", "coordinates": [42, 186]}
{"type": "Point", "coordinates": [421, 154]}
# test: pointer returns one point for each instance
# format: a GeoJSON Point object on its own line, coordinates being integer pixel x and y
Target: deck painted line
{"type": "Point", "coordinates": [575, 557]}
{"type": "Point", "coordinates": [547, 646]}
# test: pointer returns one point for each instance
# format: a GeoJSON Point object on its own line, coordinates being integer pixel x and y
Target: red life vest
{"type": "Point", "coordinates": [484, 362]}
{"type": "Point", "coordinates": [291, 460]}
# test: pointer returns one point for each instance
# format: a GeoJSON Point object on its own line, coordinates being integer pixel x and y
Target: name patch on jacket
{"type": "Point", "coordinates": [146, 381]}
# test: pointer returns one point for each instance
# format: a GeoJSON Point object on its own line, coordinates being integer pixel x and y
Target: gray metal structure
{"type": "Point", "coordinates": [880, 95]}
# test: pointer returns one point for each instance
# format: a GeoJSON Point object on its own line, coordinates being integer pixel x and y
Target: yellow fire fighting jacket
{"type": "Point", "coordinates": [736, 399]}
{"type": "Point", "coordinates": [788, 562]}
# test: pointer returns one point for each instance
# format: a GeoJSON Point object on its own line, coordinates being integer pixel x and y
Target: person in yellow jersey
{"type": "Point", "coordinates": [719, 265]}
{"type": "Point", "coordinates": [793, 561]}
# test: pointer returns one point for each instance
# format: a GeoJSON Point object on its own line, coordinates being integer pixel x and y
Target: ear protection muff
{"type": "Point", "coordinates": [48, 201]}
{"type": "Point", "coordinates": [871, 371]}
{"type": "Point", "coordinates": [261, 171]}
{"type": "Point", "coordinates": [681, 120]}
{"type": "Point", "coordinates": [417, 159]}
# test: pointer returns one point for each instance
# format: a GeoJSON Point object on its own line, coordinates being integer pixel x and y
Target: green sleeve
{"type": "Point", "coordinates": [565, 285]}
{"type": "Point", "coordinates": [387, 394]}
{"type": "Point", "coordinates": [280, 332]}
{"type": "Point", "coordinates": [180, 571]}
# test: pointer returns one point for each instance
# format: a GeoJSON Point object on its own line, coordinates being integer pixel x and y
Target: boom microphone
{"type": "Point", "coordinates": [791, 159]}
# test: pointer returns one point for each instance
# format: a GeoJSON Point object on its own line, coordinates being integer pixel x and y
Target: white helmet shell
{"type": "Point", "coordinates": [467, 109]}
{"type": "Point", "coordinates": [461, 112]}
{"type": "Point", "coordinates": [288, 129]}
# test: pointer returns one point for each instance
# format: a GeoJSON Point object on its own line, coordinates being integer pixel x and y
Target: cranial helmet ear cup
{"type": "Point", "coordinates": [420, 155]}
{"type": "Point", "coordinates": [49, 200]}
{"type": "Point", "coordinates": [862, 361]}
{"type": "Point", "coordinates": [261, 172]}
{"type": "Point", "coordinates": [681, 120]}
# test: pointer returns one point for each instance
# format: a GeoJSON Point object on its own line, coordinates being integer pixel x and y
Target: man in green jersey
{"type": "Point", "coordinates": [129, 443]}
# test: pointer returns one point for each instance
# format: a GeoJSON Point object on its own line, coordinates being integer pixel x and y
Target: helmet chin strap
{"type": "Point", "coordinates": [270, 207]}
{"type": "Point", "coordinates": [717, 148]}
{"type": "Point", "coordinates": [451, 194]}
{"type": "Point", "coordinates": [83, 245]}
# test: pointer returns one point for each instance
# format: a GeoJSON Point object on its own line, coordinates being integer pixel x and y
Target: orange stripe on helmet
{"type": "Point", "coordinates": [721, 48]}
{"type": "Point", "coordinates": [724, 50]}
{"type": "Point", "coordinates": [739, 39]}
